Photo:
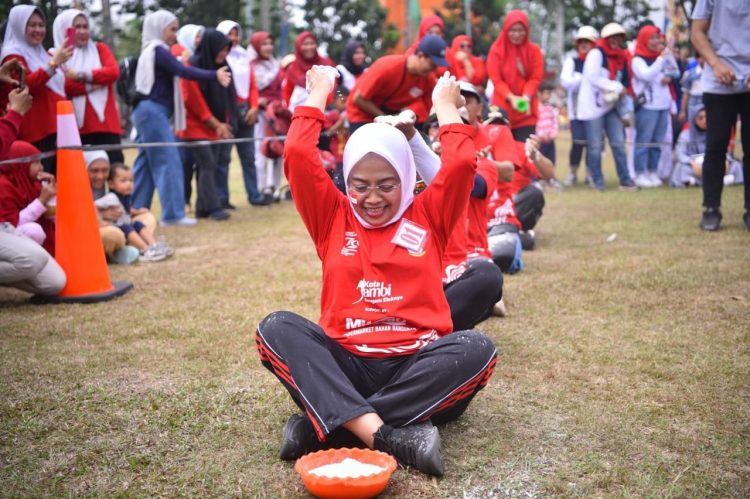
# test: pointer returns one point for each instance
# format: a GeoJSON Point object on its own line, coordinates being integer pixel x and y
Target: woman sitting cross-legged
{"type": "Point", "coordinates": [383, 363]}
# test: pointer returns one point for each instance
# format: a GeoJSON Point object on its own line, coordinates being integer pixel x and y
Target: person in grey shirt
{"type": "Point", "coordinates": [721, 33]}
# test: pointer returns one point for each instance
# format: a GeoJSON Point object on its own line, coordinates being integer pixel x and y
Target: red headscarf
{"type": "Point", "coordinates": [297, 70]}
{"type": "Point", "coordinates": [617, 58]}
{"type": "Point", "coordinates": [424, 25]}
{"type": "Point", "coordinates": [641, 43]}
{"type": "Point", "coordinates": [427, 23]}
{"type": "Point", "coordinates": [457, 68]}
{"type": "Point", "coordinates": [257, 39]}
{"type": "Point", "coordinates": [516, 60]}
{"type": "Point", "coordinates": [18, 190]}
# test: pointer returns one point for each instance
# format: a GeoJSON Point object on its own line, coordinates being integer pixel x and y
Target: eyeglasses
{"type": "Point", "coordinates": [382, 188]}
{"type": "Point", "coordinates": [466, 46]}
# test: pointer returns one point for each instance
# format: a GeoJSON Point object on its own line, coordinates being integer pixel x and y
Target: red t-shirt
{"type": "Point", "coordinates": [476, 233]}
{"type": "Point", "coordinates": [379, 299]}
{"type": "Point", "coordinates": [501, 209]}
{"type": "Point", "coordinates": [391, 87]}
{"type": "Point", "coordinates": [107, 76]}
{"type": "Point", "coordinates": [197, 113]}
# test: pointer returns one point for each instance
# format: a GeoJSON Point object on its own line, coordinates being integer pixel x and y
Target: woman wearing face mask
{"type": "Point", "coordinates": [306, 56]}
{"type": "Point", "coordinates": [269, 77]}
{"type": "Point", "coordinates": [515, 66]}
{"type": "Point", "coordinates": [353, 64]}
{"type": "Point", "coordinates": [571, 75]}
{"type": "Point", "coordinates": [383, 362]}
{"type": "Point", "coordinates": [246, 91]}
{"type": "Point", "coordinates": [90, 76]}
{"type": "Point", "coordinates": [211, 112]}
{"type": "Point", "coordinates": [24, 34]}
{"type": "Point", "coordinates": [157, 81]}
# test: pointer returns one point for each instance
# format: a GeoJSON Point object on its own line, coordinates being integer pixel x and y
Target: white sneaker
{"type": "Point", "coordinates": [184, 222]}
{"type": "Point", "coordinates": [164, 247]}
{"type": "Point", "coordinates": [641, 180]}
{"type": "Point", "coordinates": [655, 180]}
{"type": "Point", "coordinates": [728, 179]}
{"type": "Point", "coordinates": [570, 180]}
{"type": "Point", "coordinates": [153, 254]}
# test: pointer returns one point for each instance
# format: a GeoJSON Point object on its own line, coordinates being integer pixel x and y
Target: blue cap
{"type": "Point", "coordinates": [434, 47]}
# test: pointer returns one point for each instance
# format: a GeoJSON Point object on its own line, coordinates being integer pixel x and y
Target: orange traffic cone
{"type": "Point", "coordinates": [79, 249]}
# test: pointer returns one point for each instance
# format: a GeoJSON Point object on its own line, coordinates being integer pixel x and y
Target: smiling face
{"type": "Point", "coordinates": [616, 41]}
{"type": "Point", "coordinates": [266, 48]}
{"type": "Point", "coordinates": [83, 33]}
{"type": "Point", "coordinates": [35, 30]}
{"type": "Point", "coordinates": [655, 43]}
{"type": "Point", "coordinates": [367, 184]}
{"type": "Point", "coordinates": [308, 48]}
{"type": "Point", "coordinates": [517, 34]}
{"type": "Point", "coordinates": [98, 173]}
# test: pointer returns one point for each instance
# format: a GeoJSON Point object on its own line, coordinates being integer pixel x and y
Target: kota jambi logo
{"type": "Point", "coordinates": [374, 291]}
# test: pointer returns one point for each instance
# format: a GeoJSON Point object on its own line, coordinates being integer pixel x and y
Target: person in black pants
{"type": "Point", "coordinates": [719, 33]}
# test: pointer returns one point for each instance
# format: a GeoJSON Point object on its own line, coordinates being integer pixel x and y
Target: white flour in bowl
{"type": "Point", "coordinates": [348, 468]}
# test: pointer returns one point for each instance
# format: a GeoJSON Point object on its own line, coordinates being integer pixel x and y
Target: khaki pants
{"type": "Point", "coordinates": [113, 238]}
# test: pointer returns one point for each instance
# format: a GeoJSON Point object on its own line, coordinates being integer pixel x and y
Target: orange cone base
{"type": "Point", "coordinates": [119, 289]}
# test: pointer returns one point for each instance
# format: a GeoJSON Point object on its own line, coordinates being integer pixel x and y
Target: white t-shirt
{"type": "Point", "coordinates": [647, 82]}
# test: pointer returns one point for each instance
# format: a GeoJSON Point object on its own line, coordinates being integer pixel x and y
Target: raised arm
{"type": "Point", "coordinates": [315, 196]}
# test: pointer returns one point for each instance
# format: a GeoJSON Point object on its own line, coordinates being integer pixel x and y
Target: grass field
{"type": "Point", "coordinates": [624, 367]}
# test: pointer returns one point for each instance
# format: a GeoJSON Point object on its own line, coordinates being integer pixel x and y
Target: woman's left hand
{"type": "Point", "coordinates": [251, 117]}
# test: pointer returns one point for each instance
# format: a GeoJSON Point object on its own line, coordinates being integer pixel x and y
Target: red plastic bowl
{"type": "Point", "coordinates": [349, 487]}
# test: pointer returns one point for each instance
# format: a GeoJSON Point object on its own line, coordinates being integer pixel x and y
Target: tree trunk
{"type": "Point", "coordinates": [107, 34]}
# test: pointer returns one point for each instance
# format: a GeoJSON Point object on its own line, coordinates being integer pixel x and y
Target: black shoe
{"type": "Point", "coordinates": [415, 445]}
{"type": "Point", "coordinates": [229, 206]}
{"type": "Point", "coordinates": [260, 201]}
{"type": "Point", "coordinates": [711, 219]}
{"type": "Point", "coordinates": [629, 186]}
{"type": "Point", "coordinates": [746, 219]}
{"type": "Point", "coordinates": [298, 438]}
{"type": "Point", "coordinates": [219, 215]}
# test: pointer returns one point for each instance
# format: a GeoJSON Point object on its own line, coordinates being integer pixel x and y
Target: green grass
{"type": "Point", "coordinates": [625, 365]}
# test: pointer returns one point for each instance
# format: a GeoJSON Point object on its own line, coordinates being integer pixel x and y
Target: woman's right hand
{"type": "Point", "coordinates": [319, 79]}
{"type": "Point", "coordinates": [62, 55]}
{"type": "Point", "coordinates": [223, 76]}
{"type": "Point", "coordinates": [447, 92]}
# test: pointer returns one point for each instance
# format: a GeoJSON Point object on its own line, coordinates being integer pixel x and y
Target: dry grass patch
{"type": "Point", "coordinates": [624, 368]}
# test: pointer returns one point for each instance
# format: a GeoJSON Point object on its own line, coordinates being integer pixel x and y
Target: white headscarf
{"type": "Point", "coordinates": [153, 36]}
{"type": "Point", "coordinates": [389, 143]}
{"type": "Point", "coordinates": [187, 34]}
{"type": "Point", "coordinates": [238, 60]}
{"type": "Point", "coordinates": [85, 59]}
{"type": "Point", "coordinates": [36, 57]}
{"type": "Point", "coordinates": [91, 156]}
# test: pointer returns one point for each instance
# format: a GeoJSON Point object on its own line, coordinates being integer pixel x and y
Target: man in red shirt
{"type": "Point", "coordinates": [395, 82]}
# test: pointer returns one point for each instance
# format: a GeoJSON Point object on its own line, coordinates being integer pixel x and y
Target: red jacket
{"type": "Point", "coordinates": [41, 120]}
{"type": "Point", "coordinates": [377, 298]}
{"type": "Point", "coordinates": [107, 76]}
{"type": "Point", "coordinates": [9, 126]}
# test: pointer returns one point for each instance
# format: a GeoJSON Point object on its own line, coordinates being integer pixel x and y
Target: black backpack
{"type": "Point", "coordinates": [125, 86]}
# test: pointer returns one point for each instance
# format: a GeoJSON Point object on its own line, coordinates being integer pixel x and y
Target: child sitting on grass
{"type": "Point", "coordinates": [121, 185]}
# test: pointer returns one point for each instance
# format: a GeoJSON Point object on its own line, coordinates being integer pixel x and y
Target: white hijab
{"type": "Point", "coordinates": [85, 59]}
{"type": "Point", "coordinates": [389, 143]}
{"type": "Point", "coordinates": [153, 36]}
{"type": "Point", "coordinates": [36, 57]}
{"type": "Point", "coordinates": [186, 36]}
{"type": "Point", "coordinates": [238, 60]}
